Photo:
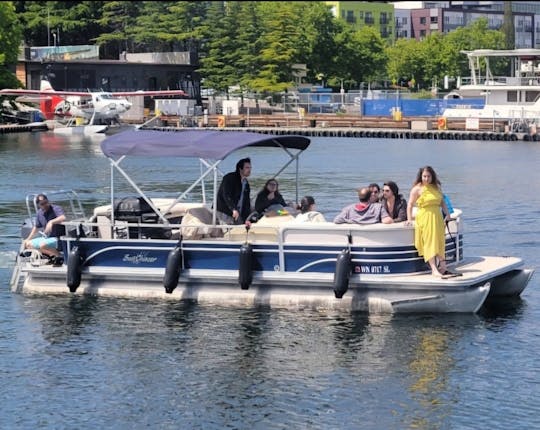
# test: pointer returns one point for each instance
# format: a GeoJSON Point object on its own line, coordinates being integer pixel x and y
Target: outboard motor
{"type": "Point", "coordinates": [342, 273]}
{"type": "Point", "coordinates": [74, 268]}
{"type": "Point", "coordinates": [175, 261]}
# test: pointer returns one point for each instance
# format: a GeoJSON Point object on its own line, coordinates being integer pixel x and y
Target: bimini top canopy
{"type": "Point", "coordinates": [193, 143]}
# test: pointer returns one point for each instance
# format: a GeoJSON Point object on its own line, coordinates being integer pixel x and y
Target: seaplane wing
{"type": "Point", "coordinates": [43, 93]}
{"type": "Point", "coordinates": [149, 93]}
{"type": "Point", "coordinates": [48, 93]}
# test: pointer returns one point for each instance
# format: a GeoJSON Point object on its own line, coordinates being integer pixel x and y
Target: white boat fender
{"type": "Point", "coordinates": [74, 269]}
{"type": "Point", "coordinates": [245, 270]}
{"type": "Point", "coordinates": [175, 261]}
{"type": "Point", "coordinates": [343, 271]}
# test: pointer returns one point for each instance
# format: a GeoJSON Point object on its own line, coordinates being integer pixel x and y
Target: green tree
{"type": "Point", "coordinates": [317, 46]}
{"type": "Point", "coordinates": [218, 63]}
{"type": "Point", "coordinates": [429, 60]}
{"type": "Point", "coordinates": [476, 35]}
{"type": "Point", "coordinates": [69, 22]}
{"type": "Point", "coordinates": [361, 55]}
{"type": "Point", "coordinates": [279, 46]}
{"type": "Point", "coordinates": [10, 41]}
{"type": "Point", "coordinates": [404, 60]}
{"type": "Point", "coordinates": [118, 24]}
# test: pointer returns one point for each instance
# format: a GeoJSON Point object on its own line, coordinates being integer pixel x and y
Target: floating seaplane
{"type": "Point", "coordinates": [88, 112]}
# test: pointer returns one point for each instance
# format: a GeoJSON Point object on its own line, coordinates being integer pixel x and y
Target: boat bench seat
{"type": "Point", "coordinates": [197, 224]}
{"type": "Point", "coordinates": [178, 210]}
{"type": "Point", "coordinates": [338, 234]}
{"type": "Point", "coordinates": [266, 229]}
{"type": "Point", "coordinates": [102, 215]}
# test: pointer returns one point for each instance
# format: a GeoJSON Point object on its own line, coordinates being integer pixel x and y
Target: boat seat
{"type": "Point", "coordinates": [197, 224]}
{"type": "Point", "coordinates": [267, 228]}
{"type": "Point", "coordinates": [178, 210]}
{"type": "Point", "coordinates": [104, 227]}
{"type": "Point", "coordinates": [307, 233]}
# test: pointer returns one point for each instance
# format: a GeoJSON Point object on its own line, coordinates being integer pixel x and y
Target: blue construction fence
{"type": "Point", "coordinates": [417, 107]}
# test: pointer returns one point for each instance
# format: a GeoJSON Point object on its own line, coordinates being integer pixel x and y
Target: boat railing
{"type": "Point", "coordinates": [282, 230]}
{"type": "Point", "coordinates": [521, 81]}
{"type": "Point", "coordinates": [68, 199]}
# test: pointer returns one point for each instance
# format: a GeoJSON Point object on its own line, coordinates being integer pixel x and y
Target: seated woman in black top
{"type": "Point", "coordinates": [395, 204]}
{"type": "Point", "coordinates": [269, 196]}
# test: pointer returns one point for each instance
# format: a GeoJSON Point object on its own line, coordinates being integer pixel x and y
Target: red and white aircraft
{"type": "Point", "coordinates": [99, 106]}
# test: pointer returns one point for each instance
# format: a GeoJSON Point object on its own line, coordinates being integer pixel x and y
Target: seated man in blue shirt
{"type": "Point", "coordinates": [49, 218]}
{"type": "Point", "coordinates": [365, 212]}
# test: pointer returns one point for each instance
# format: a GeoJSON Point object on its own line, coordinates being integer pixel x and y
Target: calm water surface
{"type": "Point", "coordinates": [85, 362]}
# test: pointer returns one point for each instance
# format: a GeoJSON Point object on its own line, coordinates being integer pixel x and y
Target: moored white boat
{"type": "Point", "coordinates": [513, 98]}
{"type": "Point", "coordinates": [140, 246]}
{"type": "Point", "coordinates": [72, 128]}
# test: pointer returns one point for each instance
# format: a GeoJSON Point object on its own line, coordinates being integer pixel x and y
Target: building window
{"type": "Point", "coordinates": [531, 96]}
{"type": "Point", "coordinates": [369, 18]}
{"type": "Point", "coordinates": [511, 96]}
{"type": "Point", "coordinates": [434, 19]}
{"type": "Point", "coordinates": [422, 33]}
{"type": "Point", "coordinates": [423, 20]}
{"type": "Point", "coordinates": [350, 17]}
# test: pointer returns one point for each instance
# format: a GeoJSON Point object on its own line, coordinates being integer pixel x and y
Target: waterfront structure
{"type": "Point", "coordinates": [78, 68]}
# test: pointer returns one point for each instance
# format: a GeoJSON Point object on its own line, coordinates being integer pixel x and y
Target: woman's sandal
{"type": "Point", "coordinates": [450, 274]}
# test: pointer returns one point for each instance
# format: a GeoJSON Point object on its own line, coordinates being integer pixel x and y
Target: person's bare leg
{"type": "Point", "coordinates": [50, 252]}
{"type": "Point", "coordinates": [434, 269]}
{"type": "Point", "coordinates": [442, 265]}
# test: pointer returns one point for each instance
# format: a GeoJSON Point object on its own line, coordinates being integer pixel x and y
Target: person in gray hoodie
{"type": "Point", "coordinates": [365, 212]}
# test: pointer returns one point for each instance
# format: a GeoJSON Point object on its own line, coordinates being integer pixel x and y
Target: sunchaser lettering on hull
{"type": "Point", "coordinates": [141, 257]}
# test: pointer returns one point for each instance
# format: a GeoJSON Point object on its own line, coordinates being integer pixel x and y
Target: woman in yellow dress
{"type": "Point", "coordinates": [429, 237]}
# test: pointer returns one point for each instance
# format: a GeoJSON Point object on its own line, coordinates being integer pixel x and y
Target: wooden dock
{"type": "Point", "coordinates": [18, 128]}
{"type": "Point", "coordinates": [335, 125]}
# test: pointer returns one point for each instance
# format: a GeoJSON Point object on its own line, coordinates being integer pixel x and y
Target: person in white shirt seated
{"type": "Point", "coordinates": [308, 213]}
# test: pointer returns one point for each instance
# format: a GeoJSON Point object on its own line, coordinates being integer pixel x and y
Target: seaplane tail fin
{"type": "Point", "coordinates": [48, 105]}
{"type": "Point", "coordinates": [45, 85]}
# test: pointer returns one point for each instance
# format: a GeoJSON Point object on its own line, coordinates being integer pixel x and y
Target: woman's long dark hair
{"type": "Point", "coordinates": [434, 180]}
{"type": "Point", "coordinates": [393, 186]}
{"type": "Point", "coordinates": [305, 203]}
{"type": "Point", "coordinates": [265, 188]}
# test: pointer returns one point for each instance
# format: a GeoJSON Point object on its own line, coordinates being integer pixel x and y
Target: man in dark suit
{"type": "Point", "coordinates": [233, 198]}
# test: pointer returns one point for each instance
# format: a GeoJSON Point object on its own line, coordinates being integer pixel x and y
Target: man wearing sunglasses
{"type": "Point", "coordinates": [49, 218]}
